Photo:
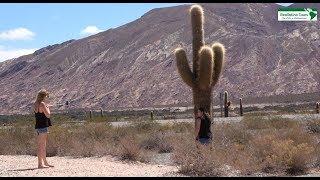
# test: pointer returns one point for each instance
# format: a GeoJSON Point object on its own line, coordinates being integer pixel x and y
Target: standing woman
{"type": "Point", "coordinates": [42, 115]}
{"type": "Point", "coordinates": [203, 127]}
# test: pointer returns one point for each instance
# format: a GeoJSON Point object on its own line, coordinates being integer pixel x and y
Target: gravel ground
{"type": "Point", "coordinates": [25, 165]}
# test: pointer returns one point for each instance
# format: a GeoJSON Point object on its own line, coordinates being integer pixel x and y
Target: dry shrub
{"type": "Point", "coordinates": [145, 126]}
{"type": "Point", "coordinates": [290, 158]}
{"type": "Point", "coordinates": [259, 122]}
{"type": "Point", "coordinates": [314, 126]}
{"type": "Point", "coordinates": [119, 132]}
{"type": "Point", "coordinates": [157, 141]}
{"type": "Point", "coordinates": [238, 157]}
{"type": "Point", "coordinates": [129, 148]}
{"type": "Point", "coordinates": [151, 142]}
{"type": "Point", "coordinates": [254, 145]}
{"type": "Point", "coordinates": [227, 133]}
{"type": "Point", "coordinates": [281, 123]}
{"type": "Point", "coordinates": [87, 148]}
{"type": "Point", "coordinates": [299, 135]}
{"type": "Point", "coordinates": [254, 122]}
{"type": "Point", "coordinates": [197, 160]}
{"type": "Point", "coordinates": [17, 140]}
{"type": "Point", "coordinates": [165, 145]}
{"type": "Point", "coordinates": [182, 127]}
{"type": "Point", "coordinates": [59, 140]}
{"type": "Point", "coordinates": [89, 140]}
{"type": "Point", "coordinates": [276, 153]}
{"type": "Point", "coordinates": [281, 149]}
{"type": "Point", "coordinates": [97, 131]}
{"type": "Point", "coordinates": [317, 152]}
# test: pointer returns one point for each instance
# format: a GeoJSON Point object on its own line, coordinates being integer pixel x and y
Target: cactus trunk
{"type": "Point", "coordinates": [90, 114]}
{"type": "Point", "coordinates": [101, 112]}
{"type": "Point", "coordinates": [318, 107]}
{"type": "Point", "coordinates": [207, 63]}
{"type": "Point", "coordinates": [226, 106]}
{"type": "Point", "coordinates": [202, 98]}
{"type": "Point", "coordinates": [241, 110]}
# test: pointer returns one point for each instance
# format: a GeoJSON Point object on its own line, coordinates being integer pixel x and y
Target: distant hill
{"type": "Point", "coordinates": [134, 66]}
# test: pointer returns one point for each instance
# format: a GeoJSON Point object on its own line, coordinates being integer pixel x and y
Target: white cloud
{"type": "Point", "coordinates": [6, 54]}
{"type": "Point", "coordinates": [284, 4]}
{"type": "Point", "coordinates": [90, 30]}
{"type": "Point", "coordinates": [17, 34]}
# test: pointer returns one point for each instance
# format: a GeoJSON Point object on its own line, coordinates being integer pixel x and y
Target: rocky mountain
{"type": "Point", "coordinates": [134, 65]}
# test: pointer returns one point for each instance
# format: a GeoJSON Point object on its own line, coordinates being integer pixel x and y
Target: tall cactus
{"type": "Point", "coordinates": [90, 114]}
{"type": "Point", "coordinates": [221, 104]}
{"type": "Point", "coordinates": [226, 104]}
{"type": "Point", "coordinates": [101, 112]}
{"type": "Point", "coordinates": [241, 110]}
{"type": "Point", "coordinates": [318, 107]}
{"type": "Point", "coordinates": [207, 63]}
{"type": "Point", "coordinates": [151, 115]}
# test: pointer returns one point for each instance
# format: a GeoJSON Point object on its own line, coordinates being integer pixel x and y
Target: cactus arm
{"type": "Point", "coordinates": [183, 67]}
{"type": "Point", "coordinates": [196, 12]}
{"type": "Point", "coordinates": [206, 67]}
{"type": "Point", "coordinates": [218, 52]}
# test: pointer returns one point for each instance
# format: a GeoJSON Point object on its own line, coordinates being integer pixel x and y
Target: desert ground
{"type": "Point", "coordinates": [137, 146]}
{"type": "Point", "coordinates": [25, 165]}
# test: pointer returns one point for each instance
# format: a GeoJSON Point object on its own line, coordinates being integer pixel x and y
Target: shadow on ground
{"type": "Point", "coordinates": [27, 169]}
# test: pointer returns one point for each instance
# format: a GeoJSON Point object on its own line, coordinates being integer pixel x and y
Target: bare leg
{"type": "Point", "coordinates": [45, 151]}
{"type": "Point", "coordinates": [39, 150]}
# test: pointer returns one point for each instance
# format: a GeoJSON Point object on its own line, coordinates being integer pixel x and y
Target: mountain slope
{"type": "Point", "coordinates": [134, 65]}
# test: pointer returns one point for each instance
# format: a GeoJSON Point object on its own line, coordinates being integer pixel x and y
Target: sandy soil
{"type": "Point", "coordinates": [25, 165]}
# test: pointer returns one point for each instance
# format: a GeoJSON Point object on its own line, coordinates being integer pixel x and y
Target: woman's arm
{"type": "Point", "coordinates": [45, 109]}
{"type": "Point", "coordinates": [197, 127]}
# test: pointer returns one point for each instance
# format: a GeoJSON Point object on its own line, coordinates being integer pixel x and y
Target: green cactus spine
{"type": "Point", "coordinates": [207, 63]}
{"type": "Point", "coordinates": [241, 109]}
{"type": "Point", "coordinates": [226, 104]}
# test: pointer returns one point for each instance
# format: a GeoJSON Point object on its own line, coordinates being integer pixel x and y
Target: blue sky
{"type": "Point", "coordinates": [30, 26]}
{"type": "Point", "coordinates": [25, 28]}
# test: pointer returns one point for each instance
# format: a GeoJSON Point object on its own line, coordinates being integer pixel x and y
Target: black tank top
{"type": "Point", "coordinates": [205, 131]}
{"type": "Point", "coordinates": [41, 120]}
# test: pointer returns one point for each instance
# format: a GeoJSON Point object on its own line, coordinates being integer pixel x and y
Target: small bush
{"type": "Point", "coordinates": [145, 126]}
{"type": "Point", "coordinates": [277, 148]}
{"type": "Point", "coordinates": [17, 140]}
{"type": "Point", "coordinates": [277, 153]}
{"type": "Point", "coordinates": [229, 133]}
{"type": "Point", "coordinates": [196, 160]}
{"type": "Point", "coordinates": [182, 127]}
{"type": "Point", "coordinates": [280, 123]}
{"type": "Point", "coordinates": [290, 158]}
{"type": "Point", "coordinates": [259, 122]}
{"type": "Point", "coordinates": [157, 141]}
{"type": "Point", "coordinates": [314, 126]}
{"type": "Point", "coordinates": [129, 148]}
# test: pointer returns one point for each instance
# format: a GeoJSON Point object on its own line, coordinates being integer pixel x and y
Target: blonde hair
{"type": "Point", "coordinates": [41, 95]}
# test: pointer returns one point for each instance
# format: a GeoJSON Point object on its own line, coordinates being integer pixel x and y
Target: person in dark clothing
{"type": "Point", "coordinates": [202, 127]}
{"type": "Point", "coordinates": [42, 115]}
